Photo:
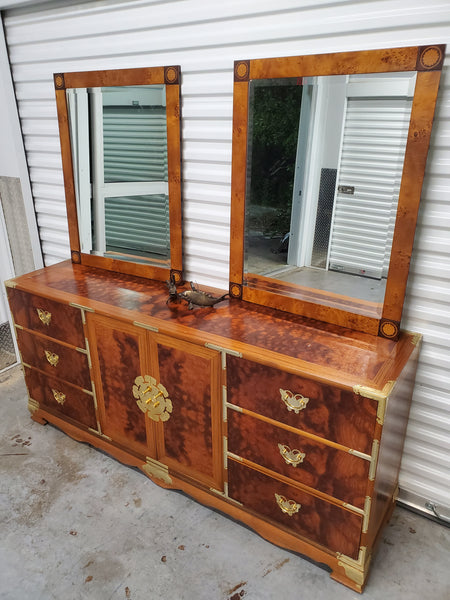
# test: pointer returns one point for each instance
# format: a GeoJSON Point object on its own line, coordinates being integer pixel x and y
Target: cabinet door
{"type": "Point", "coordinates": [178, 387]}
{"type": "Point", "coordinates": [119, 355]}
{"type": "Point", "coordinates": [190, 441]}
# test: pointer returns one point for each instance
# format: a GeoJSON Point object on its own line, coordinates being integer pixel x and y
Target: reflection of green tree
{"type": "Point", "coordinates": [276, 113]}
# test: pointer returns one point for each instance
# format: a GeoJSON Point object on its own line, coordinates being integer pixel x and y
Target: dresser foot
{"type": "Point", "coordinates": [340, 575]}
{"type": "Point", "coordinates": [33, 407]}
{"type": "Point", "coordinates": [39, 419]}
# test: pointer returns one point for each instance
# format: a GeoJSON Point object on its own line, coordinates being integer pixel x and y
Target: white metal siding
{"type": "Point", "coordinates": [205, 38]}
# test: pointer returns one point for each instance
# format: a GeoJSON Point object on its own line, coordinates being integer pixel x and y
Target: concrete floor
{"type": "Point", "coordinates": [76, 524]}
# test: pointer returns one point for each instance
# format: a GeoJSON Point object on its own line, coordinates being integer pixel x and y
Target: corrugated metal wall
{"type": "Point", "coordinates": [205, 38]}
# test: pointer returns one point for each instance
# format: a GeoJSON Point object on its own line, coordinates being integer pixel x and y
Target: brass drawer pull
{"type": "Point", "coordinates": [290, 507]}
{"type": "Point", "coordinates": [292, 457]}
{"type": "Point", "coordinates": [44, 316]}
{"type": "Point", "coordinates": [52, 358]}
{"type": "Point", "coordinates": [59, 396]}
{"type": "Point", "coordinates": [152, 398]}
{"type": "Point", "coordinates": [295, 402]}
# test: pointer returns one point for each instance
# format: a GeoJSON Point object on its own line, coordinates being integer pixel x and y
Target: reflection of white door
{"type": "Point", "coordinates": [369, 177]}
{"type": "Point", "coordinates": [123, 171]}
{"type": "Point", "coordinates": [358, 130]}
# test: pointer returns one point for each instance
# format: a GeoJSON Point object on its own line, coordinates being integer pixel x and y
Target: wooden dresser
{"type": "Point", "coordinates": [293, 426]}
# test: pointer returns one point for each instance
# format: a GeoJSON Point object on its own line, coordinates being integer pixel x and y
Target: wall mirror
{"type": "Point", "coordinates": [120, 142]}
{"type": "Point", "coordinates": [329, 154]}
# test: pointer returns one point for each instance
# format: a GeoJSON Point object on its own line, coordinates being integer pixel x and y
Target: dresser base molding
{"type": "Point", "coordinates": [351, 573]}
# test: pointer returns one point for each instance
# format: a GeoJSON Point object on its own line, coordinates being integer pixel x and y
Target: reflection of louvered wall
{"type": "Point", "coordinates": [373, 145]}
{"type": "Point", "coordinates": [135, 149]}
{"type": "Point", "coordinates": [135, 144]}
{"type": "Point", "coordinates": [139, 222]}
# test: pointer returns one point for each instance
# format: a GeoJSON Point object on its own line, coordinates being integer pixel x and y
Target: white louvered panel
{"type": "Point", "coordinates": [375, 132]}
{"type": "Point", "coordinates": [205, 39]}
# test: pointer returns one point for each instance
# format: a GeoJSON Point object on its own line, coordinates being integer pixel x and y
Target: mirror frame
{"type": "Point", "coordinates": [170, 76]}
{"type": "Point", "coordinates": [333, 308]}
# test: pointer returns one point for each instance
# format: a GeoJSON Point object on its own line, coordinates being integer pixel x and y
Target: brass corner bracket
{"type": "Point", "coordinates": [33, 405]}
{"type": "Point", "coordinates": [153, 468]}
{"type": "Point", "coordinates": [373, 393]}
{"type": "Point", "coordinates": [355, 570]}
{"type": "Point", "coordinates": [380, 396]}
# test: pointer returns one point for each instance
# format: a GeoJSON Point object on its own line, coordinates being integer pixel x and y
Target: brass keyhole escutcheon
{"type": "Point", "coordinates": [51, 357]}
{"type": "Point", "coordinates": [152, 398]}
{"type": "Point", "coordinates": [60, 397]}
{"type": "Point", "coordinates": [44, 316]}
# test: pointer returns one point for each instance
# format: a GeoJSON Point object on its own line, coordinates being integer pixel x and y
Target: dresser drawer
{"type": "Point", "coordinates": [331, 413]}
{"type": "Point", "coordinates": [337, 529]}
{"type": "Point", "coordinates": [59, 321]}
{"type": "Point", "coordinates": [55, 359]}
{"type": "Point", "coordinates": [61, 398]}
{"type": "Point", "coordinates": [334, 472]}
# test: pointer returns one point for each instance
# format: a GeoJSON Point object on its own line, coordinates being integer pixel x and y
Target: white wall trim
{"type": "Point", "coordinates": [18, 149]}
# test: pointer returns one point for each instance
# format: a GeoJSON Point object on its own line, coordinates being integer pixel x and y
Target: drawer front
{"type": "Point", "coordinates": [61, 398]}
{"type": "Point", "coordinates": [335, 528]}
{"type": "Point", "coordinates": [59, 321]}
{"type": "Point", "coordinates": [334, 472]}
{"type": "Point", "coordinates": [55, 359]}
{"type": "Point", "coordinates": [331, 413]}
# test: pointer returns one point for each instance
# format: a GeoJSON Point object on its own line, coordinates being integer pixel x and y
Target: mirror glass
{"type": "Point", "coordinates": [120, 162]}
{"type": "Point", "coordinates": [324, 166]}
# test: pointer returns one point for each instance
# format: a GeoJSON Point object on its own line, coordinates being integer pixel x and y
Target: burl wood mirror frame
{"type": "Point", "coordinates": [170, 77]}
{"type": "Point", "coordinates": [384, 319]}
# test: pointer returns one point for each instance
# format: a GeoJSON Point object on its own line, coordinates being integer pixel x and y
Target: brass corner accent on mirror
{"type": "Point", "coordinates": [320, 225]}
{"type": "Point", "coordinates": [121, 153]}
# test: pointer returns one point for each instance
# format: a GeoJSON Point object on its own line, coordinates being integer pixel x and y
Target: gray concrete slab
{"type": "Point", "coordinates": [75, 524]}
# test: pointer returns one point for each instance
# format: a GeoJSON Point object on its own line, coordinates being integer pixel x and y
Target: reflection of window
{"type": "Point", "coordinates": [273, 126]}
{"type": "Point", "coordinates": [119, 146]}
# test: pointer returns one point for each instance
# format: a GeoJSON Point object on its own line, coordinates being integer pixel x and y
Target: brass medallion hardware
{"type": "Point", "coordinates": [59, 396]}
{"type": "Point", "coordinates": [52, 358]}
{"type": "Point", "coordinates": [295, 402]}
{"type": "Point", "coordinates": [292, 457]}
{"type": "Point", "coordinates": [152, 398]}
{"type": "Point", "coordinates": [44, 316]}
{"type": "Point", "coordinates": [290, 507]}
